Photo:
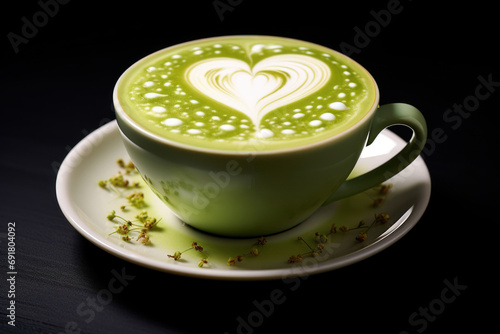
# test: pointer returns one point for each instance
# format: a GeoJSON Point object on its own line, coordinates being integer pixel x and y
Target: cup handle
{"type": "Point", "coordinates": [387, 115]}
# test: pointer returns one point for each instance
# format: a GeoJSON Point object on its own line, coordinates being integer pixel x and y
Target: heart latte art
{"type": "Point", "coordinates": [246, 93]}
{"type": "Point", "coordinates": [273, 82]}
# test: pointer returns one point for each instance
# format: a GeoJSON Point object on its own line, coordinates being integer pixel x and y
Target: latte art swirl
{"type": "Point", "coordinates": [255, 91]}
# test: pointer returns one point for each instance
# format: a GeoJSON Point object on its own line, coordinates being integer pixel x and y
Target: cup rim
{"type": "Point", "coordinates": [137, 128]}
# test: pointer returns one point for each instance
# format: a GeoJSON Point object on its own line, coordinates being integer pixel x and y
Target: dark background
{"type": "Point", "coordinates": [57, 88]}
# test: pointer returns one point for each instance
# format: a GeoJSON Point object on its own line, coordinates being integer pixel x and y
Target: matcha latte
{"type": "Point", "coordinates": [246, 93]}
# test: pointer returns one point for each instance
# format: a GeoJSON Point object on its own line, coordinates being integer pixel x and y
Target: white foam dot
{"type": "Point", "coordinates": [327, 116]}
{"type": "Point", "coordinates": [265, 133]}
{"type": "Point", "coordinates": [200, 113]}
{"type": "Point", "coordinates": [194, 101]}
{"type": "Point", "coordinates": [227, 127]}
{"type": "Point", "coordinates": [194, 131]}
{"type": "Point", "coordinates": [217, 46]}
{"type": "Point", "coordinates": [341, 95]}
{"type": "Point", "coordinates": [176, 56]}
{"type": "Point", "coordinates": [199, 52]}
{"type": "Point", "coordinates": [298, 115]}
{"type": "Point", "coordinates": [199, 123]}
{"type": "Point", "coordinates": [337, 106]}
{"type": "Point", "coordinates": [216, 118]}
{"type": "Point", "coordinates": [316, 122]}
{"type": "Point", "coordinates": [288, 132]}
{"type": "Point", "coordinates": [352, 84]}
{"type": "Point", "coordinates": [148, 84]}
{"type": "Point", "coordinates": [151, 69]}
{"type": "Point", "coordinates": [152, 95]}
{"type": "Point", "coordinates": [166, 84]}
{"type": "Point", "coordinates": [347, 73]}
{"type": "Point", "coordinates": [172, 122]}
{"type": "Point", "coordinates": [257, 48]}
{"type": "Point", "coordinates": [158, 109]}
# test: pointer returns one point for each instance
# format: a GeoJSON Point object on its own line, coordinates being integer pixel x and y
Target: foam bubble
{"type": "Point", "coordinates": [158, 109]}
{"type": "Point", "coordinates": [152, 95]}
{"type": "Point", "coordinates": [288, 132]}
{"type": "Point", "coordinates": [148, 84]}
{"type": "Point", "coordinates": [200, 113]}
{"type": "Point", "coordinates": [337, 106]}
{"type": "Point", "coordinates": [257, 48]}
{"type": "Point", "coordinates": [316, 122]}
{"type": "Point", "coordinates": [227, 127]}
{"type": "Point", "coordinates": [352, 84]}
{"type": "Point", "coordinates": [298, 115]}
{"type": "Point", "coordinates": [172, 122]}
{"type": "Point", "coordinates": [327, 116]}
{"type": "Point", "coordinates": [341, 95]}
{"type": "Point", "coordinates": [265, 133]}
{"type": "Point", "coordinates": [194, 131]}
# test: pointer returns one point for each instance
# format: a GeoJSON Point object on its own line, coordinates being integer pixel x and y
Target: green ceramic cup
{"type": "Point", "coordinates": [254, 193]}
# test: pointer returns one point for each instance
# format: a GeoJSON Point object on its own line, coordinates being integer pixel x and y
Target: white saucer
{"type": "Point", "coordinates": [86, 206]}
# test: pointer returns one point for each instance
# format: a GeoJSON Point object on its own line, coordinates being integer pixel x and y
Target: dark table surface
{"type": "Point", "coordinates": [56, 82]}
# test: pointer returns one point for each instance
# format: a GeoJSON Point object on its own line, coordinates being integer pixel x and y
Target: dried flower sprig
{"type": "Point", "coordinates": [256, 250]}
{"type": "Point", "coordinates": [321, 238]}
{"type": "Point", "coordinates": [312, 251]}
{"type": "Point", "coordinates": [118, 179]}
{"type": "Point", "coordinates": [381, 192]}
{"type": "Point", "coordinates": [194, 246]}
{"type": "Point", "coordinates": [125, 226]}
{"type": "Point", "coordinates": [129, 167]}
